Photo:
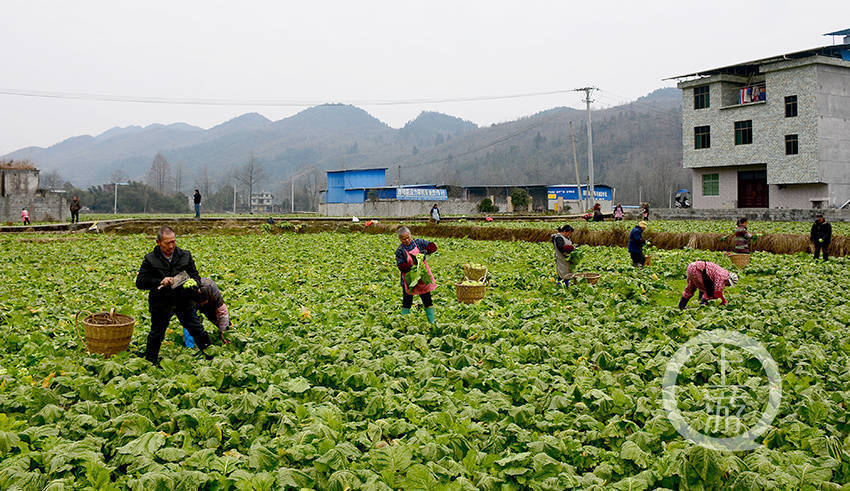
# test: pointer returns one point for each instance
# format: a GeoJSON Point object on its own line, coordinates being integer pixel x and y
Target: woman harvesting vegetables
{"type": "Point", "coordinates": [709, 279]}
{"type": "Point", "coordinates": [416, 276]}
{"type": "Point", "coordinates": [563, 253]}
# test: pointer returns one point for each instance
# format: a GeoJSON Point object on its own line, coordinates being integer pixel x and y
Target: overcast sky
{"type": "Point", "coordinates": [345, 51]}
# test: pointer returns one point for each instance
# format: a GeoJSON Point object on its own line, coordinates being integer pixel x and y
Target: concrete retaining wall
{"type": "Point", "coordinates": [761, 214]}
{"type": "Point", "coordinates": [43, 206]}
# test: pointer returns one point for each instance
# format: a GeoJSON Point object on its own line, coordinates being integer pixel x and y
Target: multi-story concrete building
{"type": "Point", "coordinates": [261, 203]}
{"type": "Point", "coordinates": [770, 133]}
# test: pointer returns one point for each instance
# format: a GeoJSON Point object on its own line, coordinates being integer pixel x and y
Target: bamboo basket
{"type": "Point", "coordinates": [107, 333]}
{"type": "Point", "coordinates": [740, 260]}
{"type": "Point", "coordinates": [591, 278]}
{"type": "Point", "coordinates": [470, 293]}
{"type": "Point", "coordinates": [474, 274]}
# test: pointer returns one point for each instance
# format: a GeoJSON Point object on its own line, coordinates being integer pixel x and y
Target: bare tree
{"type": "Point", "coordinates": [159, 176]}
{"type": "Point", "coordinates": [203, 182]}
{"type": "Point", "coordinates": [249, 175]}
{"type": "Point", "coordinates": [178, 177]}
{"type": "Point", "coordinates": [51, 179]}
{"type": "Point", "coordinates": [118, 175]}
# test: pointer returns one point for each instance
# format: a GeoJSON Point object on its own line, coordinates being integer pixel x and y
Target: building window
{"type": "Point", "coordinates": [702, 137]}
{"type": "Point", "coordinates": [743, 132]}
{"type": "Point", "coordinates": [790, 106]}
{"type": "Point", "coordinates": [701, 97]}
{"type": "Point", "coordinates": [791, 145]}
{"type": "Point", "coordinates": [711, 184]}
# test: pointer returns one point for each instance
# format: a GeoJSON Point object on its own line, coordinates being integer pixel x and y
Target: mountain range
{"type": "Point", "coordinates": [636, 145]}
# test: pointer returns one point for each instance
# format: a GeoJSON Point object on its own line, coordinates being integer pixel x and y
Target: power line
{"type": "Point", "coordinates": [262, 102]}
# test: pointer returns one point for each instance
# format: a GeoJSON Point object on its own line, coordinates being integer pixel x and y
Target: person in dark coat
{"type": "Point", "coordinates": [75, 210]}
{"type": "Point", "coordinates": [197, 199]}
{"type": "Point", "coordinates": [597, 213]}
{"type": "Point", "coordinates": [156, 275]}
{"type": "Point", "coordinates": [821, 236]}
{"type": "Point", "coordinates": [636, 242]}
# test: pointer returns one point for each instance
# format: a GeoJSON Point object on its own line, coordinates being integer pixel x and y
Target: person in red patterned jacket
{"type": "Point", "coordinates": [709, 279]}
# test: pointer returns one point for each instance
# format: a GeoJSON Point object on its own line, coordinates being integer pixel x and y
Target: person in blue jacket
{"type": "Point", "coordinates": [636, 242]}
{"type": "Point", "coordinates": [407, 256]}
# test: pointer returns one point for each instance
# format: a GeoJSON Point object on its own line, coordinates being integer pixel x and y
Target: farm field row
{"type": "Point", "coordinates": [325, 385]}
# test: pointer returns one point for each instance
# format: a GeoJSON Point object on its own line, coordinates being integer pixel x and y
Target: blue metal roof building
{"type": "Point", "coordinates": [354, 186]}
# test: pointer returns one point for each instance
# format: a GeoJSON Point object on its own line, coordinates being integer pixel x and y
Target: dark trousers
{"type": "Point", "coordinates": [407, 300]}
{"type": "Point", "coordinates": [26, 221]}
{"type": "Point", "coordinates": [638, 259]}
{"type": "Point", "coordinates": [824, 248]}
{"type": "Point", "coordinates": [75, 216]}
{"type": "Point", "coordinates": [159, 323]}
{"type": "Point", "coordinates": [197, 210]}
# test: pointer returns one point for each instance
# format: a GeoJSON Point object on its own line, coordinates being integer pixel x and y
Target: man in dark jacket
{"type": "Point", "coordinates": [157, 276]}
{"type": "Point", "coordinates": [197, 199]}
{"type": "Point", "coordinates": [821, 236]}
{"type": "Point", "coordinates": [636, 242]}
{"type": "Point", "coordinates": [75, 210]}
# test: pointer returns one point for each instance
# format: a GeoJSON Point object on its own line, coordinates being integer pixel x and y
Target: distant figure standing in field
{"type": "Point", "coordinates": [821, 236]}
{"type": "Point", "coordinates": [563, 248]}
{"type": "Point", "coordinates": [25, 216]}
{"type": "Point", "coordinates": [197, 198]}
{"type": "Point", "coordinates": [636, 242]}
{"type": "Point", "coordinates": [157, 275]}
{"type": "Point", "coordinates": [645, 212]}
{"type": "Point", "coordinates": [710, 280]}
{"type": "Point", "coordinates": [743, 237]}
{"type": "Point", "coordinates": [618, 213]}
{"type": "Point", "coordinates": [597, 213]}
{"type": "Point", "coordinates": [75, 210]}
{"type": "Point", "coordinates": [407, 256]}
{"type": "Point", "coordinates": [435, 213]}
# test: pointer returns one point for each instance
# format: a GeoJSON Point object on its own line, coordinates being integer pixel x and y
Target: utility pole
{"type": "Point", "coordinates": [115, 196]}
{"type": "Point", "coordinates": [398, 179]}
{"type": "Point", "coordinates": [234, 196]}
{"type": "Point", "coordinates": [588, 100]}
{"type": "Point", "coordinates": [575, 161]}
{"type": "Point", "coordinates": [292, 197]}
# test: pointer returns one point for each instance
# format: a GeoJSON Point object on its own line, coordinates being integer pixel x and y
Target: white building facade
{"type": "Point", "coordinates": [771, 133]}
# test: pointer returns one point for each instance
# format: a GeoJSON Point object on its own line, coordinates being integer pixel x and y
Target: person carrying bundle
{"type": "Point", "coordinates": [743, 237]}
{"type": "Point", "coordinates": [416, 276]}
{"type": "Point", "coordinates": [710, 280]}
{"type": "Point", "coordinates": [563, 249]}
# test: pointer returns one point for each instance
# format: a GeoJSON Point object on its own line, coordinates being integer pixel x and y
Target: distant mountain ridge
{"type": "Point", "coordinates": [433, 147]}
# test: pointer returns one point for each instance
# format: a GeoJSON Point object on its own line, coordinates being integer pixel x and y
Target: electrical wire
{"type": "Point", "coordinates": [266, 103]}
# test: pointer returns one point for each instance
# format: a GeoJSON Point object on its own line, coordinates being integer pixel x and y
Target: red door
{"type": "Point", "coordinates": [752, 189]}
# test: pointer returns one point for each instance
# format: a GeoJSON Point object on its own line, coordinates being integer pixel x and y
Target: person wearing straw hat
{"type": "Point", "coordinates": [710, 280]}
{"type": "Point", "coordinates": [563, 248]}
{"type": "Point", "coordinates": [636, 242]}
{"type": "Point", "coordinates": [821, 236]}
{"type": "Point", "coordinates": [407, 256]}
{"type": "Point", "coordinates": [159, 274]}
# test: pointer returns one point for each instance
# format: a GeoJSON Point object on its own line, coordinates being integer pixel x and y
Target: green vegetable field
{"type": "Point", "coordinates": [326, 386]}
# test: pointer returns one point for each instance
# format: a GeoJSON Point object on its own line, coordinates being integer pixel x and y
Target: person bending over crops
{"type": "Point", "coordinates": [636, 242]}
{"type": "Point", "coordinates": [157, 275]}
{"type": "Point", "coordinates": [821, 236]}
{"type": "Point", "coordinates": [743, 237]}
{"type": "Point", "coordinates": [709, 279]}
{"type": "Point", "coordinates": [208, 301]}
{"type": "Point", "coordinates": [564, 254]}
{"type": "Point", "coordinates": [416, 276]}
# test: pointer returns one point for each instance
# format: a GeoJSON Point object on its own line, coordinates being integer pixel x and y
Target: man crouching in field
{"type": "Point", "coordinates": [157, 275]}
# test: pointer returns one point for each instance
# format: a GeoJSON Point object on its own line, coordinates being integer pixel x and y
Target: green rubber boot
{"type": "Point", "coordinates": [405, 311]}
{"type": "Point", "coordinates": [429, 312]}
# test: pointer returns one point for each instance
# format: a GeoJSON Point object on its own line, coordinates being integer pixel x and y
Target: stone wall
{"type": "Point", "coordinates": [761, 214]}
{"type": "Point", "coordinates": [42, 206]}
{"type": "Point", "coordinates": [18, 181]}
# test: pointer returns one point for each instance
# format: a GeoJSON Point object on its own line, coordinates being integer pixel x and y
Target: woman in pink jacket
{"type": "Point", "coordinates": [710, 279]}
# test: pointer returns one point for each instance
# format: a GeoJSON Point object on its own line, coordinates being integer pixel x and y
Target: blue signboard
{"type": "Point", "coordinates": [421, 194]}
{"type": "Point", "coordinates": [570, 193]}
